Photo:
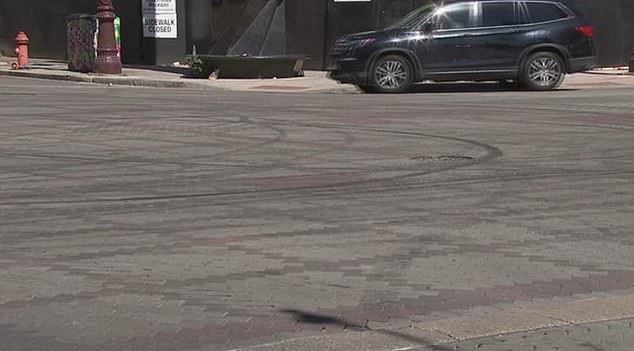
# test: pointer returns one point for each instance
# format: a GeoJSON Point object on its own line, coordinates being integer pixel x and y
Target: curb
{"type": "Point", "coordinates": [448, 331]}
{"type": "Point", "coordinates": [161, 83]}
{"type": "Point", "coordinates": [99, 80]}
{"type": "Point", "coordinates": [157, 83]}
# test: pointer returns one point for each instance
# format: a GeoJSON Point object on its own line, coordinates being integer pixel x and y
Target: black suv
{"type": "Point", "coordinates": [530, 42]}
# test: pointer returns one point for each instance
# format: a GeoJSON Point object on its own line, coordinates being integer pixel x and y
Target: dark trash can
{"type": "Point", "coordinates": [81, 30]}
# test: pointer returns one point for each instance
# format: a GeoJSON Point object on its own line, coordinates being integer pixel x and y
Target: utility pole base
{"type": "Point", "coordinates": [108, 65]}
{"type": "Point", "coordinates": [107, 62]}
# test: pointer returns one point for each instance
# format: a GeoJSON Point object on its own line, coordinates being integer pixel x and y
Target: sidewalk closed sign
{"type": "Point", "coordinates": [159, 18]}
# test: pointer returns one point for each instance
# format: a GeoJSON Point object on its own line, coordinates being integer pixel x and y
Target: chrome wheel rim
{"type": "Point", "coordinates": [390, 74]}
{"type": "Point", "coordinates": [544, 71]}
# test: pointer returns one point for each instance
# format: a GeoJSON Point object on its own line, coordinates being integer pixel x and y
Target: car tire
{"type": "Point", "coordinates": [543, 71]}
{"type": "Point", "coordinates": [392, 74]}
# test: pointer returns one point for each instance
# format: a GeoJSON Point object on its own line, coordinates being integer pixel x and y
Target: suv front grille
{"type": "Point", "coordinates": [341, 46]}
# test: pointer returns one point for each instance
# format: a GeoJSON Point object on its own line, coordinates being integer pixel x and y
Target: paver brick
{"type": "Point", "coordinates": [134, 219]}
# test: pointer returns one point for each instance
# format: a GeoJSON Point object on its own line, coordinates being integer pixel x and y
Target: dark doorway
{"type": "Point", "coordinates": [348, 17]}
{"type": "Point", "coordinates": [305, 30]}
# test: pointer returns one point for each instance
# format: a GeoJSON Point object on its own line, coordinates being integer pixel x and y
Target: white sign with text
{"type": "Point", "coordinates": [159, 18]}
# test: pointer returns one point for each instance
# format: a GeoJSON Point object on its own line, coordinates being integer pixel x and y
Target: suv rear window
{"type": "Point", "coordinates": [496, 14]}
{"type": "Point", "coordinates": [544, 12]}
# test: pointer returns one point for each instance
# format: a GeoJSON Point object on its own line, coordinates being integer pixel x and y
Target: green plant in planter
{"type": "Point", "coordinates": [199, 68]}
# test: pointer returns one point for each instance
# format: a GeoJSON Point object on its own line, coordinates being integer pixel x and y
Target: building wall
{"type": "Point", "coordinates": [213, 26]}
{"type": "Point", "coordinates": [614, 25]}
{"type": "Point", "coordinates": [45, 24]}
{"type": "Point", "coordinates": [613, 20]}
{"type": "Point", "coordinates": [230, 19]}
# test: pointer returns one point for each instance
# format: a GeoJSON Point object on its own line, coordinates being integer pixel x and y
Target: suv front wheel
{"type": "Point", "coordinates": [543, 71]}
{"type": "Point", "coordinates": [392, 74]}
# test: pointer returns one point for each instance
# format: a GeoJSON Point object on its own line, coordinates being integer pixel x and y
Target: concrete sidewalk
{"type": "Point", "coordinates": [174, 77]}
{"type": "Point", "coordinates": [313, 81]}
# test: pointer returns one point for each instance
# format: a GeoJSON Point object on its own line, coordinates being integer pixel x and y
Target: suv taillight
{"type": "Point", "coordinates": [587, 31]}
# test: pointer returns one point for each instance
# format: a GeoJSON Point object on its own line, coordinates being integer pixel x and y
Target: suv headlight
{"type": "Point", "coordinates": [358, 44]}
{"type": "Point", "coordinates": [345, 46]}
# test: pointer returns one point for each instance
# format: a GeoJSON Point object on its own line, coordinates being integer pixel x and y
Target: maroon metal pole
{"type": "Point", "coordinates": [107, 61]}
{"type": "Point", "coordinates": [632, 62]}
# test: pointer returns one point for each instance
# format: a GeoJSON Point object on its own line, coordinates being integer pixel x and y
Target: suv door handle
{"type": "Point", "coordinates": [463, 46]}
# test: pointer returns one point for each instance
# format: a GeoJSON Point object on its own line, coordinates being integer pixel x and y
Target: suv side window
{"type": "Point", "coordinates": [458, 16]}
{"type": "Point", "coordinates": [544, 12]}
{"type": "Point", "coordinates": [495, 14]}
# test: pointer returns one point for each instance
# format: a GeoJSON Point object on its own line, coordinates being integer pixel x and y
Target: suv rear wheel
{"type": "Point", "coordinates": [543, 71]}
{"type": "Point", "coordinates": [392, 74]}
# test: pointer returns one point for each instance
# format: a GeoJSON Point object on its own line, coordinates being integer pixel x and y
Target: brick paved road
{"type": "Point", "coordinates": [148, 219]}
{"type": "Point", "coordinates": [615, 335]}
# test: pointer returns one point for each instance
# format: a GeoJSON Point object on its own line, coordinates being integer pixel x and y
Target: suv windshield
{"type": "Point", "coordinates": [414, 17]}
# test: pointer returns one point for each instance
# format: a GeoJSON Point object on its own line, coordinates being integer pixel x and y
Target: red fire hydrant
{"type": "Point", "coordinates": [21, 50]}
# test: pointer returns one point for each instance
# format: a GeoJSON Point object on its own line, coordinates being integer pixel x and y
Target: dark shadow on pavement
{"type": "Point", "coordinates": [184, 71]}
{"type": "Point", "coordinates": [321, 319]}
{"type": "Point", "coordinates": [40, 64]}
{"type": "Point", "coordinates": [469, 87]}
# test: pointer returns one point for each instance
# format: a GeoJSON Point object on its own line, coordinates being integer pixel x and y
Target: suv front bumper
{"type": "Point", "coordinates": [349, 70]}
